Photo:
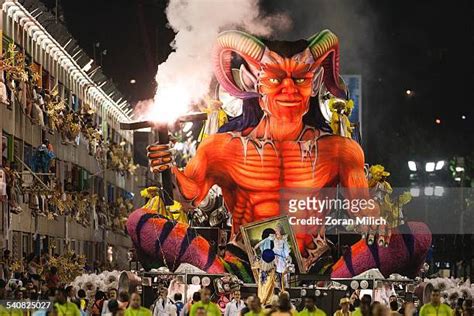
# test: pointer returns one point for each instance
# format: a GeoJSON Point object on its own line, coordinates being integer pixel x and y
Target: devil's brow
{"type": "Point", "coordinates": [300, 71]}
{"type": "Point", "coordinates": [275, 70]}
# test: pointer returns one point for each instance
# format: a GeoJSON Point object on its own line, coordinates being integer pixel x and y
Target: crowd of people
{"type": "Point", "coordinates": [41, 281]}
{"type": "Point", "coordinates": [69, 302]}
{"type": "Point", "coordinates": [35, 277]}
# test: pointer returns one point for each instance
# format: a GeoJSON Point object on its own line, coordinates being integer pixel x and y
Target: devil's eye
{"type": "Point", "coordinates": [274, 80]}
{"type": "Point", "coordinates": [300, 80]}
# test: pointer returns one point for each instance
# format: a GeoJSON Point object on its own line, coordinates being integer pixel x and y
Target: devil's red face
{"type": "Point", "coordinates": [286, 85]}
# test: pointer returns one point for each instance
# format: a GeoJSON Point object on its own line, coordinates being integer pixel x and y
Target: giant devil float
{"type": "Point", "coordinates": [280, 140]}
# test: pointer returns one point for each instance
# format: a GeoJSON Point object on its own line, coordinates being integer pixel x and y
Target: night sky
{"type": "Point", "coordinates": [424, 46]}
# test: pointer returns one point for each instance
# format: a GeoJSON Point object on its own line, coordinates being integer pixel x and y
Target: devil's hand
{"type": "Point", "coordinates": [160, 157]}
{"type": "Point", "coordinates": [379, 234]}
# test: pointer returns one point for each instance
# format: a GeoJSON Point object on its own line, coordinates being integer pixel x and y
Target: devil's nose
{"type": "Point", "coordinates": [288, 86]}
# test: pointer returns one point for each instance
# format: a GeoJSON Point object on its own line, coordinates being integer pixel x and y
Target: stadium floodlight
{"type": "Point", "coordinates": [430, 166]}
{"type": "Point", "coordinates": [412, 166]}
{"type": "Point", "coordinates": [415, 192]}
{"type": "Point", "coordinates": [429, 191]}
{"type": "Point", "coordinates": [440, 165]}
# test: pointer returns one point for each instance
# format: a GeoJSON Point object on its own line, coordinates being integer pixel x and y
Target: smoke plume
{"type": "Point", "coordinates": [185, 76]}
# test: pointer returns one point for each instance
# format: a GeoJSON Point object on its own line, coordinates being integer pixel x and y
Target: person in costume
{"type": "Point", "coordinates": [344, 303]}
{"type": "Point", "coordinates": [216, 118]}
{"type": "Point", "coordinates": [178, 213]}
{"type": "Point", "coordinates": [278, 243]}
{"type": "Point", "coordinates": [155, 202]}
{"type": "Point", "coordinates": [265, 270]}
{"type": "Point", "coordinates": [282, 140]}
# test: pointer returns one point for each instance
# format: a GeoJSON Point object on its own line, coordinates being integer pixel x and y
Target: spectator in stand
{"type": "Point", "coordinates": [38, 104]}
{"type": "Point", "coordinates": [435, 307]}
{"type": "Point", "coordinates": [135, 308]}
{"type": "Point", "coordinates": [52, 278]}
{"type": "Point", "coordinates": [123, 299]}
{"type": "Point", "coordinates": [3, 90]}
{"type": "Point", "coordinates": [187, 307]}
{"type": "Point", "coordinates": [5, 263]}
{"type": "Point", "coordinates": [111, 295]}
{"type": "Point", "coordinates": [211, 308]}
{"type": "Point", "coordinates": [63, 307]}
{"type": "Point", "coordinates": [310, 308]}
{"type": "Point", "coordinates": [234, 307]}
{"type": "Point", "coordinates": [96, 266]}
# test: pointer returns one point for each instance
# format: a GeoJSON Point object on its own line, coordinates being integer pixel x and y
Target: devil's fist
{"type": "Point", "coordinates": [160, 157]}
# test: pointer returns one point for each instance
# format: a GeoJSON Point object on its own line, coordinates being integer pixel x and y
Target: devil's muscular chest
{"type": "Point", "coordinates": [253, 173]}
{"type": "Point", "coordinates": [258, 166]}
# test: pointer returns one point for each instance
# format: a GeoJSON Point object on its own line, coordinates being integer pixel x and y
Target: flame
{"type": "Point", "coordinates": [170, 103]}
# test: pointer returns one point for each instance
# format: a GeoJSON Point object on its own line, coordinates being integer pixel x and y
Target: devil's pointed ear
{"type": "Point", "coordinates": [325, 49]}
{"type": "Point", "coordinates": [248, 80]}
{"type": "Point", "coordinates": [244, 79]}
{"type": "Point", "coordinates": [317, 81]}
{"type": "Point", "coordinates": [240, 82]}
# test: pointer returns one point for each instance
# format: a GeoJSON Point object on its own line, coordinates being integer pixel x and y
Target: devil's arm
{"type": "Point", "coordinates": [198, 177]}
{"type": "Point", "coordinates": [353, 179]}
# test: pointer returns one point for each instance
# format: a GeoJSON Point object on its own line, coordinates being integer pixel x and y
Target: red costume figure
{"type": "Point", "coordinates": [253, 164]}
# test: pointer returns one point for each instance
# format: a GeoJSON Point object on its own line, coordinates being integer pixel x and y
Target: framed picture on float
{"type": "Point", "coordinates": [272, 241]}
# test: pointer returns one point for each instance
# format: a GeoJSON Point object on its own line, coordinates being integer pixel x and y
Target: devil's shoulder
{"type": "Point", "coordinates": [215, 143]}
{"type": "Point", "coordinates": [343, 148]}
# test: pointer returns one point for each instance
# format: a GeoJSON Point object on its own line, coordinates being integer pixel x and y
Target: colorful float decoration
{"type": "Point", "coordinates": [278, 139]}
